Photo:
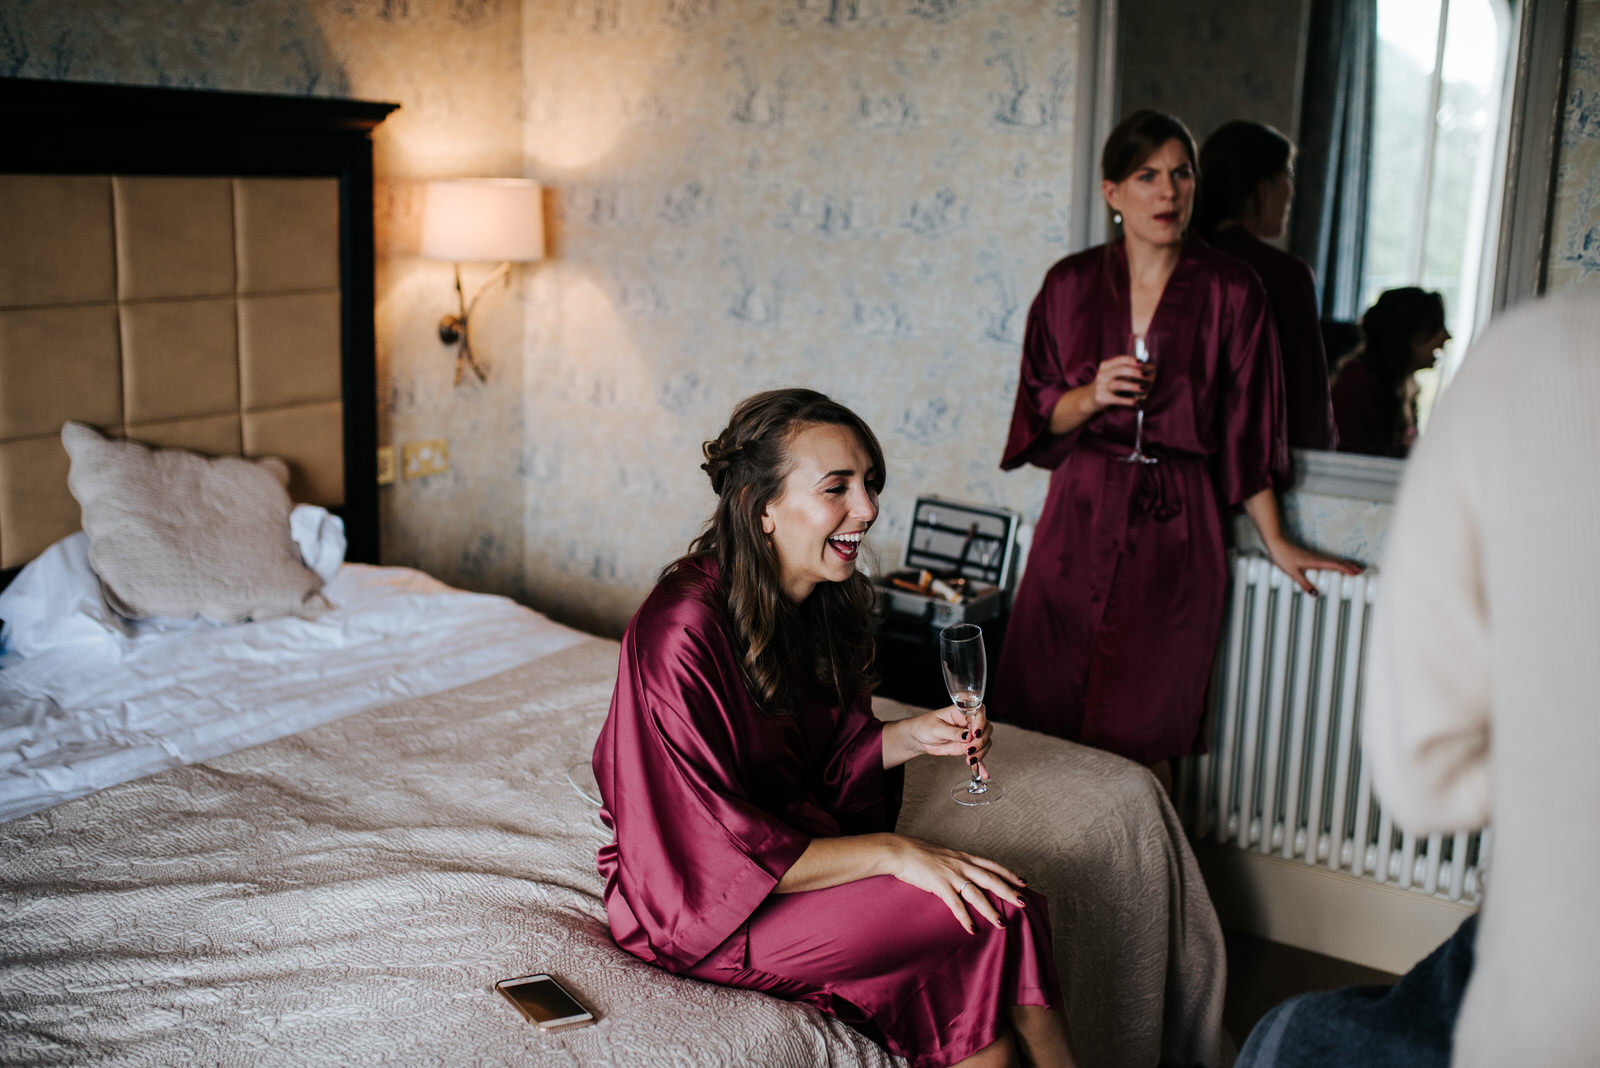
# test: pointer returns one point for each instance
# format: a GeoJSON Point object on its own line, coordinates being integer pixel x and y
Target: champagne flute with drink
{"type": "Point", "coordinates": [966, 669]}
{"type": "Point", "coordinates": [1143, 351]}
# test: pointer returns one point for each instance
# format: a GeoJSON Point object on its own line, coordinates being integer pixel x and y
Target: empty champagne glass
{"type": "Point", "coordinates": [1145, 353]}
{"type": "Point", "coordinates": [966, 670]}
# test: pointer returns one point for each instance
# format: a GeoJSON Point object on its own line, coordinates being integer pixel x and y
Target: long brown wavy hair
{"type": "Point", "coordinates": [1396, 321]}
{"type": "Point", "coordinates": [827, 638]}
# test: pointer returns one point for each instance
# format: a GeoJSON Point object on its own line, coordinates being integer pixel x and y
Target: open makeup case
{"type": "Point", "coordinates": [959, 565]}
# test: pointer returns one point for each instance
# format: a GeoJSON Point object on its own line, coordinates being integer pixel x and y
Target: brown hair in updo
{"type": "Point", "coordinates": [826, 639]}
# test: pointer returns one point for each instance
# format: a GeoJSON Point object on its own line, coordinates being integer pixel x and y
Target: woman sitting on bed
{"type": "Point", "coordinates": [752, 794]}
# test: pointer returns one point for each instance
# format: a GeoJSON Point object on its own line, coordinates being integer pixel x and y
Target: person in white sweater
{"type": "Point", "coordinates": [1483, 706]}
{"type": "Point", "coordinates": [1483, 710]}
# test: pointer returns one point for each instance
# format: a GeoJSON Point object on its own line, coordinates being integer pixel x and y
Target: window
{"type": "Point", "coordinates": [1437, 113]}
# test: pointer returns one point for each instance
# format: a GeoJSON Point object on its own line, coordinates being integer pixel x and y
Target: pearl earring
{"type": "Point", "coordinates": [1116, 217]}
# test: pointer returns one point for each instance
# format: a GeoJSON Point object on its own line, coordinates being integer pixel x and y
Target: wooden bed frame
{"type": "Point", "coordinates": [62, 128]}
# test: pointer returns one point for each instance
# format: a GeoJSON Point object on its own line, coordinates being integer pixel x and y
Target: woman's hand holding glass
{"type": "Point", "coordinates": [1121, 382]}
{"type": "Point", "coordinates": [946, 732]}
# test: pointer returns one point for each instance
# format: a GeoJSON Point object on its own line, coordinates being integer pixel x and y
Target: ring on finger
{"type": "Point", "coordinates": [962, 888]}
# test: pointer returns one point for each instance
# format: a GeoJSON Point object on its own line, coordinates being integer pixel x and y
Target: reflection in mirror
{"type": "Point", "coordinates": [1375, 388]}
{"type": "Point", "coordinates": [1436, 122]}
{"type": "Point", "coordinates": [1441, 124]}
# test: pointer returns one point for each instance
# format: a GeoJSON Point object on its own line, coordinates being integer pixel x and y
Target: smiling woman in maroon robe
{"type": "Point", "coordinates": [1115, 623]}
{"type": "Point", "coordinates": [752, 794]}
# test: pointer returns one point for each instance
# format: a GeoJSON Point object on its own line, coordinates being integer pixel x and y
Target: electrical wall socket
{"type": "Point", "coordinates": [421, 458]}
{"type": "Point", "coordinates": [385, 465]}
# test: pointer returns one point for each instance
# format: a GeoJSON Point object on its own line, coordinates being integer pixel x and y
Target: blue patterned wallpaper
{"type": "Point", "coordinates": [270, 46]}
{"type": "Point", "coordinates": [859, 195]}
{"type": "Point", "coordinates": [1575, 228]}
{"type": "Point", "coordinates": [856, 196]}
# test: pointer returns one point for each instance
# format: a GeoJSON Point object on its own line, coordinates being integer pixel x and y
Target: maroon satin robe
{"type": "Point", "coordinates": [1114, 627]}
{"type": "Point", "coordinates": [1371, 419]}
{"type": "Point", "coordinates": [710, 801]}
{"type": "Point", "coordinates": [1292, 293]}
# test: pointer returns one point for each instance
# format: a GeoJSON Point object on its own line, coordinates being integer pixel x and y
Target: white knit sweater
{"type": "Point", "coordinates": [1484, 699]}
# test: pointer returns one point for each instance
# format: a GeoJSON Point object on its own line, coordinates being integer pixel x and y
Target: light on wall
{"type": "Point", "coordinates": [483, 220]}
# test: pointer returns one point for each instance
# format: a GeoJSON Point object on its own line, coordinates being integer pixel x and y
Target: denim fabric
{"type": "Point", "coordinates": [1407, 1025]}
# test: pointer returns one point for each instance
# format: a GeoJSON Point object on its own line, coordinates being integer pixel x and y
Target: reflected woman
{"type": "Point", "coordinates": [1375, 387]}
{"type": "Point", "coordinates": [1115, 623]}
{"type": "Point", "coordinates": [1244, 200]}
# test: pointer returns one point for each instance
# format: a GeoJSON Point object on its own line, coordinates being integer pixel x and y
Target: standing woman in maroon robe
{"type": "Point", "coordinates": [1115, 624]}
{"type": "Point", "coordinates": [752, 794]}
{"type": "Point", "coordinates": [1245, 198]}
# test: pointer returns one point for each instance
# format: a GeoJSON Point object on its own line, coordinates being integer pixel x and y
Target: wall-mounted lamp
{"type": "Point", "coordinates": [480, 220]}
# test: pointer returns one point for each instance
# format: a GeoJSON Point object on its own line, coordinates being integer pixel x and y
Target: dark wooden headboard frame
{"type": "Point", "coordinates": [82, 128]}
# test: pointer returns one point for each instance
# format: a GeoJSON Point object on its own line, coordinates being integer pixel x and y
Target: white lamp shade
{"type": "Point", "coordinates": [492, 219]}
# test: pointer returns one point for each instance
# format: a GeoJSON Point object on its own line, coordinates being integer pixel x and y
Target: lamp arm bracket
{"type": "Point", "coordinates": [455, 328]}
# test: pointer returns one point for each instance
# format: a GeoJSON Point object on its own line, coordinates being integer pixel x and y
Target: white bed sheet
{"type": "Point", "coordinates": [83, 717]}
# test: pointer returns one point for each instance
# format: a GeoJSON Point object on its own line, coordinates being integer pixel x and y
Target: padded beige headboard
{"type": "Point", "coordinates": [189, 268]}
{"type": "Point", "coordinates": [200, 312]}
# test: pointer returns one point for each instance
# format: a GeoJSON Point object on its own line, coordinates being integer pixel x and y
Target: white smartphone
{"type": "Point", "coordinates": [545, 1002]}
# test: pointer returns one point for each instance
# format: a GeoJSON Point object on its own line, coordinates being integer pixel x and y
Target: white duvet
{"type": "Point", "coordinates": [85, 714]}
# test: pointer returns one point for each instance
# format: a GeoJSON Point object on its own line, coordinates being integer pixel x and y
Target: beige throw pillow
{"type": "Point", "coordinates": [174, 533]}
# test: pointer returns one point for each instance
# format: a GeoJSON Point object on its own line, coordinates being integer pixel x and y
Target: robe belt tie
{"type": "Point", "coordinates": [1154, 492]}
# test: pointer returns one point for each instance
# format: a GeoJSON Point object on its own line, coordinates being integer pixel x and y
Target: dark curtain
{"type": "Point", "coordinates": [1332, 171]}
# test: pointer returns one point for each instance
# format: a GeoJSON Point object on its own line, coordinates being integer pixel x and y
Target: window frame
{"type": "Point", "coordinates": [1525, 189]}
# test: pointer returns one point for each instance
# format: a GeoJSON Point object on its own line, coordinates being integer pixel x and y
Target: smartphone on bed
{"type": "Point", "coordinates": [545, 1002]}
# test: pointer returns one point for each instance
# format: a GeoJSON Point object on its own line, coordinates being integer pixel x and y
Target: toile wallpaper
{"type": "Point", "coordinates": [857, 195]}
{"type": "Point", "coordinates": [860, 196]}
{"type": "Point", "coordinates": [1575, 227]}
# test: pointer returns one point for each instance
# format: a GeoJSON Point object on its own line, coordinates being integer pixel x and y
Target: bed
{"type": "Point", "coordinates": [320, 837]}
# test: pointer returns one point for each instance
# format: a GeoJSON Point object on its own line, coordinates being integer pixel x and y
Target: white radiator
{"type": "Point", "coordinates": [1284, 774]}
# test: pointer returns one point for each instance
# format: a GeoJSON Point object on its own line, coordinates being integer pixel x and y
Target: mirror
{"type": "Point", "coordinates": [1210, 61]}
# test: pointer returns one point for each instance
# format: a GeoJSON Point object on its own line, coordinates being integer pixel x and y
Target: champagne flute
{"type": "Point", "coordinates": [966, 668]}
{"type": "Point", "coordinates": [1145, 353]}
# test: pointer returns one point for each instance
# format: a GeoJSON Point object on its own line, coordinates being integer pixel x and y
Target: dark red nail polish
{"type": "Point", "coordinates": [972, 760]}
{"type": "Point", "coordinates": [963, 736]}
{"type": "Point", "coordinates": [971, 749]}
{"type": "Point", "coordinates": [978, 733]}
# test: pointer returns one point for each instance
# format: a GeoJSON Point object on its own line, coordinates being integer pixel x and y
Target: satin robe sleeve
{"type": "Point", "coordinates": [859, 795]}
{"type": "Point", "coordinates": [1052, 364]}
{"type": "Point", "coordinates": [687, 776]}
{"type": "Point", "coordinates": [1253, 451]}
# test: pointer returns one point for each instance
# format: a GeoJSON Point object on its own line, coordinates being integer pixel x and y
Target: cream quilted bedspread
{"type": "Point", "coordinates": [350, 894]}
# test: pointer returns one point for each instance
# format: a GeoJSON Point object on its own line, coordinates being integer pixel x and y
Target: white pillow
{"type": "Point", "coordinates": [174, 533]}
{"type": "Point", "coordinates": [320, 535]}
{"type": "Point", "coordinates": [57, 598]}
